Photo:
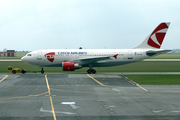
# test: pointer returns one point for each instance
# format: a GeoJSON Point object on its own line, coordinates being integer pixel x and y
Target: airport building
{"type": "Point", "coordinates": [8, 53]}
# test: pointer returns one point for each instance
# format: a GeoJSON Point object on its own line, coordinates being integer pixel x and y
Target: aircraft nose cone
{"type": "Point", "coordinates": [22, 59]}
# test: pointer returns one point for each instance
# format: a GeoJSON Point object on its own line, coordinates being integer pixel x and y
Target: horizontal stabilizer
{"type": "Point", "coordinates": [156, 52]}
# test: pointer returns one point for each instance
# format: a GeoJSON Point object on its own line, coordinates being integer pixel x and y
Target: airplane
{"type": "Point", "coordinates": [72, 59]}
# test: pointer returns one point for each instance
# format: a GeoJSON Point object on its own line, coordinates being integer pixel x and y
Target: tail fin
{"type": "Point", "coordinates": [155, 39]}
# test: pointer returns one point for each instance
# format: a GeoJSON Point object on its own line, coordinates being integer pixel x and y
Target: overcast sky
{"type": "Point", "coordinates": [91, 24]}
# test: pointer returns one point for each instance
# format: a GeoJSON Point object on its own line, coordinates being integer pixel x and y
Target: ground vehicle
{"type": "Point", "coordinates": [16, 70]}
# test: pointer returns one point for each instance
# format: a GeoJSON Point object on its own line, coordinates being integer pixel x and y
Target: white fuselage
{"type": "Point", "coordinates": [56, 57]}
{"type": "Point", "coordinates": [72, 59]}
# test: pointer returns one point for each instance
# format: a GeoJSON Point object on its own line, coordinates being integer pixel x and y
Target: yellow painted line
{"type": "Point", "coordinates": [4, 78]}
{"type": "Point", "coordinates": [23, 96]}
{"type": "Point", "coordinates": [49, 91]}
{"type": "Point", "coordinates": [96, 80]}
{"type": "Point", "coordinates": [82, 92]}
{"type": "Point", "coordinates": [142, 88]}
{"type": "Point", "coordinates": [39, 94]}
{"type": "Point", "coordinates": [134, 83]}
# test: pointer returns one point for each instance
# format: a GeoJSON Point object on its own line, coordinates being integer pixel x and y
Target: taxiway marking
{"type": "Point", "coordinates": [96, 80]}
{"type": "Point", "coordinates": [24, 96]}
{"type": "Point", "coordinates": [3, 78]}
{"type": "Point", "coordinates": [134, 83]}
{"type": "Point", "coordinates": [142, 87]}
{"type": "Point", "coordinates": [49, 91]}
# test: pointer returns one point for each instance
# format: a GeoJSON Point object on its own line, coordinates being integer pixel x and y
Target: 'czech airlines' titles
{"type": "Point", "coordinates": [62, 53]}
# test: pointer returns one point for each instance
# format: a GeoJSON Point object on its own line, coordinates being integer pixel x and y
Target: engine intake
{"type": "Point", "coordinates": [70, 66]}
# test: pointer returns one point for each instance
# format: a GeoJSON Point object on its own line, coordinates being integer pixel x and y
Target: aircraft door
{"type": "Point", "coordinates": [130, 55]}
{"type": "Point", "coordinates": [40, 56]}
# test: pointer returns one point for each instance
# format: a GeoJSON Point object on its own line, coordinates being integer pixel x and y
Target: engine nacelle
{"type": "Point", "coordinates": [70, 66]}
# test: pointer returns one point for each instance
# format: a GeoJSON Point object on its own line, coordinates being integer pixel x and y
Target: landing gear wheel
{"type": "Point", "coordinates": [14, 72]}
{"type": "Point", "coordinates": [93, 71]}
{"type": "Point", "coordinates": [23, 71]}
{"type": "Point", "coordinates": [89, 71]}
{"type": "Point", "coordinates": [42, 71]}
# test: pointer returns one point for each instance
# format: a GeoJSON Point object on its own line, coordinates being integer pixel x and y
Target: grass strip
{"type": "Point", "coordinates": [155, 79]}
{"type": "Point", "coordinates": [155, 66]}
{"type": "Point", "coordinates": [167, 56]}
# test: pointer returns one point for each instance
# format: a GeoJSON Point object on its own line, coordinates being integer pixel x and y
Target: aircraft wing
{"type": "Point", "coordinates": [93, 59]}
{"type": "Point", "coordinates": [87, 60]}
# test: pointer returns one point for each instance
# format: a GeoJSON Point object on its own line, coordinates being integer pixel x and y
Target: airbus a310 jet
{"type": "Point", "coordinates": [72, 59]}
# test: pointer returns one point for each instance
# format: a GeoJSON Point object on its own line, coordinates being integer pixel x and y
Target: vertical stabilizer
{"type": "Point", "coordinates": [155, 39]}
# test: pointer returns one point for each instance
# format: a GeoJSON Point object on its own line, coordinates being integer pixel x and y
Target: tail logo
{"type": "Point", "coordinates": [50, 56]}
{"type": "Point", "coordinates": [157, 36]}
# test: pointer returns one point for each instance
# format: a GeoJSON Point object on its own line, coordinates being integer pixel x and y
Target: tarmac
{"type": "Point", "coordinates": [35, 96]}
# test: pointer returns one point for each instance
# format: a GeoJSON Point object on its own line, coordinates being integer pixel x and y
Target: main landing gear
{"type": "Point", "coordinates": [89, 71]}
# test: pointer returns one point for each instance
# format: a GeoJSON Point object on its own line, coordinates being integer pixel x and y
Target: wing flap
{"type": "Point", "coordinates": [94, 59]}
{"type": "Point", "coordinates": [87, 60]}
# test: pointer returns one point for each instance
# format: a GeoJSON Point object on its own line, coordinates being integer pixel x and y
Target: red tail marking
{"type": "Point", "coordinates": [115, 56]}
{"type": "Point", "coordinates": [159, 36]}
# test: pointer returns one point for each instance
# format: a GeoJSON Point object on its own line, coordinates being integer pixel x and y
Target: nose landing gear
{"type": "Point", "coordinates": [42, 70]}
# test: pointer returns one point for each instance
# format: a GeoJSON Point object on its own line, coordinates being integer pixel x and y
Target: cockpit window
{"type": "Point", "coordinates": [28, 54]}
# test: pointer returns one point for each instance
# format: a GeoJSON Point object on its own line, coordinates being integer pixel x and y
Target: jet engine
{"type": "Point", "coordinates": [70, 66]}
